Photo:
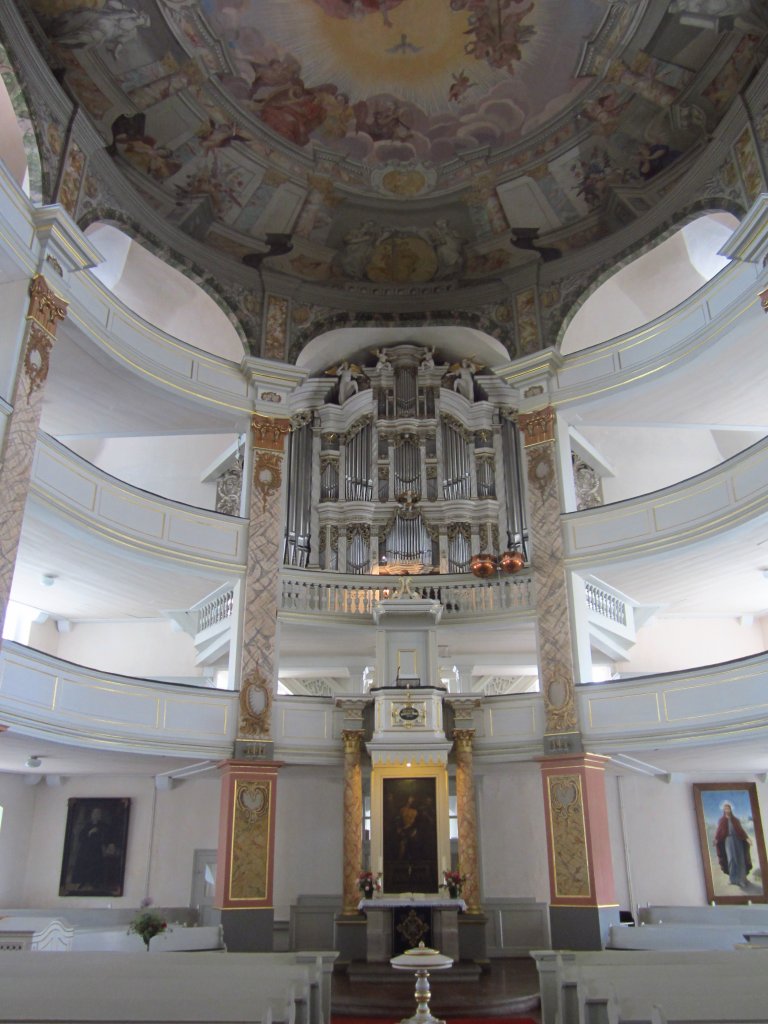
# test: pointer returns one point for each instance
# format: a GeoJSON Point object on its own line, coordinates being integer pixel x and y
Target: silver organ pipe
{"type": "Point", "coordinates": [407, 464]}
{"type": "Point", "coordinates": [297, 532]}
{"type": "Point", "coordinates": [405, 392]}
{"type": "Point", "coordinates": [459, 550]}
{"type": "Point", "coordinates": [456, 463]}
{"type": "Point", "coordinates": [513, 484]}
{"type": "Point", "coordinates": [408, 541]}
{"type": "Point", "coordinates": [359, 483]}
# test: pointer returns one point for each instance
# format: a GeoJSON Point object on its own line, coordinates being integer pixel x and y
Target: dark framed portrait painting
{"type": "Point", "coordinates": [732, 843]}
{"type": "Point", "coordinates": [95, 842]}
{"type": "Point", "coordinates": [410, 835]}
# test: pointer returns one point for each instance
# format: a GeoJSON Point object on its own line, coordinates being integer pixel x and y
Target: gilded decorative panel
{"type": "Point", "coordinates": [569, 841]}
{"type": "Point", "coordinates": [249, 875]}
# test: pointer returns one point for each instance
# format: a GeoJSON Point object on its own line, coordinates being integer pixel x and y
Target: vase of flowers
{"type": "Point", "coordinates": [453, 882]}
{"type": "Point", "coordinates": [147, 923]}
{"type": "Point", "coordinates": [368, 883]}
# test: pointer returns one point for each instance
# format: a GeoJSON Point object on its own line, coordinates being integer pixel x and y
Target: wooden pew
{"type": "Point", "coordinates": [134, 988]}
{"type": "Point", "coordinates": [607, 987]}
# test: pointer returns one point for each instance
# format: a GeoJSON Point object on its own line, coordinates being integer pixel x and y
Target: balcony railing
{"type": "Point", "coordinates": [305, 592]}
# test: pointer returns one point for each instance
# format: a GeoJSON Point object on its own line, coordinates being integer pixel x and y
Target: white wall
{"type": "Point", "coordinates": [185, 818]}
{"type": "Point", "coordinates": [310, 833]}
{"type": "Point", "coordinates": [171, 466]}
{"type": "Point", "coordinates": [512, 829]}
{"type": "Point", "coordinates": [669, 645]}
{"type": "Point", "coordinates": [18, 802]}
{"type": "Point", "coordinates": [645, 459]}
{"type": "Point", "coordinates": [147, 649]}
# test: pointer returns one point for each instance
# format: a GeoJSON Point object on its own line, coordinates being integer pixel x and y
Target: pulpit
{"type": "Point", "coordinates": [393, 923]}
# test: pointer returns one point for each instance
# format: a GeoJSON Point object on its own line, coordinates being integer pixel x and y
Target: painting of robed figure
{"type": "Point", "coordinates": [410, 835]}
{"type": "Point", "coordinates": [95, 842]}
{"type": "Point", "coordinates": [732, 844]}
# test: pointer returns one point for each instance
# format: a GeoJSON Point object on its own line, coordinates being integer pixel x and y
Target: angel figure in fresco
{"type": "Point", "coordinates": [448, 245]}
{"type": "Point", "coordinates": [459, 86]}
{"type": "Point", "coordinates": [113, 25]}
{"type": "Point", "coordinates": [359, 8]}
{"type": "Point", "coordinates": [384, 123]}
{"type": "Point", "coordinates": [497, 41]}
{"type": "Point", "coordinates": [214, 137]}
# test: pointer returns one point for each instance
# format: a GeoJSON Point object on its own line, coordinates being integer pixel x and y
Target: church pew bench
{"type": "Point", "coordinates": [133, 988]}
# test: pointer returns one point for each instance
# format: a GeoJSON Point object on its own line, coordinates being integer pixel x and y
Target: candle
{"type": "Point", "coordinates": [379, 863]}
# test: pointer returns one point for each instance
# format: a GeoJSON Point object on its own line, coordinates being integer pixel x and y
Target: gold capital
{"type": "Point", "coordinates": [45, 307]}
{"type": "Point", "coordinates": [268, 432]}
{"type": "Point", "coordinates": [538, 427]}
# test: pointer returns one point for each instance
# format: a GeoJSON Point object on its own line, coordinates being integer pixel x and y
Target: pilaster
{"type": "Point", "coordinates": [46, 310]}
{"type": "Point", "coordinates": [469, 860]}
{"type": "Point", "coordinates": [245, 869]}
{"type": "Point", "coordinates": [258, 661]}
{"type": "Point", "coordinates": [583, 898]}
{"type": "Point", "coordinates": [556, 668]}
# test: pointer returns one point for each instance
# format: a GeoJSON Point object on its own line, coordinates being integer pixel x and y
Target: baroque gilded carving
{"type": "Point", "coordinates": [566, 810]}
{"type": "Point", "coordinates": [559, 706]}
{"type": "Point", "coordinates": [589, 492]}
{"type": "Point", "coordinates": [255, 706]}
{"type": "Point", "coordinates": [268, 433]}
{"type": "Point", "coordinates": [37, 358]}
{"type": "Point", "coordinates": [541, 469]}
{"type": "Point", "coordinates": [538, 427]}
{"type": "Point", "coordinates": [763, 296]}
{"type": "Point", "coordinates": [267, 475]}
{"type": "Point", "coordinates": [249, 873]}
{"type": "Point", "coordinates": [45, 307]}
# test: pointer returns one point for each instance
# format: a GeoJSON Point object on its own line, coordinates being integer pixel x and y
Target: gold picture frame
{"type": "Point", "coordinates": [732, 843]}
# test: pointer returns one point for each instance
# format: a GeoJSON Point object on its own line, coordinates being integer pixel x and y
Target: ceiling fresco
{"type": "Point", "coordinates": [402, 141]}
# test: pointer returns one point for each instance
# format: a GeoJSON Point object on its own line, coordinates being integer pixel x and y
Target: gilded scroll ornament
{"type": "Point", "coordinates": [763, 296]}
{"type": "Point", "coordinates": [267, 475]}
{"type": "Point", "coordinates": [255, 706]}
{"type": "Point", "coordinates": [541, 470]}
{"type": "Point", "coordinates": [37, 358]}
{"type": "Point", "coordinates": [559, 706]}
{"type": "Point", "coordinates": [45, 307]}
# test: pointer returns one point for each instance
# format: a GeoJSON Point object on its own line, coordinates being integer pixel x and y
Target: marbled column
{"type": "Point", "coordinates": [45, 312]}
{"type": "Point", "coordinates": [469, 861]}
{"type": "Point", "coordinates": [556, 671]}
{"type": "Point", "coordinates": [265, 534]}
{"type": "Point", "coordinates": [353, 817]}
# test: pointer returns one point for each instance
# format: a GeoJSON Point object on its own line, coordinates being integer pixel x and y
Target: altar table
{"type": "Point", "coordinates": [379, 926]}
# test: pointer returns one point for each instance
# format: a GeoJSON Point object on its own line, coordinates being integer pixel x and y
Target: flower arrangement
{"type": "Point", "coordinates": [147, 923]}
{"type": "Point", "coordinates": [367, 882]}
{"type": "Point", "coordinates": [453, 881]}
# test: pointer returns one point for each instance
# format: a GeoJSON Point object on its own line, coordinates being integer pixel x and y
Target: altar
{"type": "Point", "coordinates": [394, 924]}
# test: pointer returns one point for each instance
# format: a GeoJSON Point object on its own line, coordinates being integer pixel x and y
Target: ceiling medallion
{"type": "Point", "coordinates": [404, 181]}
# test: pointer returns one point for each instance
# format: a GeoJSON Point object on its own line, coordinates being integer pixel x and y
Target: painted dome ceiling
{"type": "Point", "coordinates": [402, 141]}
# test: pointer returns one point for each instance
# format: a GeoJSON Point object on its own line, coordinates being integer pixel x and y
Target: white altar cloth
{"type": "Point", "coordinates": [437, 902]}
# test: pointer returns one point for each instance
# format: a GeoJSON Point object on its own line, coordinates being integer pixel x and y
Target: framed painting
{"type": "Point", "coordinates": [732, 844]}
{"type": "Point", "coordinates": [95, 842]}
{"type": "Point", "coordinates": [410, 835]}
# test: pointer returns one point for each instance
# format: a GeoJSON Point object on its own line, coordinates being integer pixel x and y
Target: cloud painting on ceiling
{"type": "Point", "coordinates": [237, 119]}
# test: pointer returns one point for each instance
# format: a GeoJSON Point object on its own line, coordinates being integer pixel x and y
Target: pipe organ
{"type": "Point", "coordinates": [408, 474]}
